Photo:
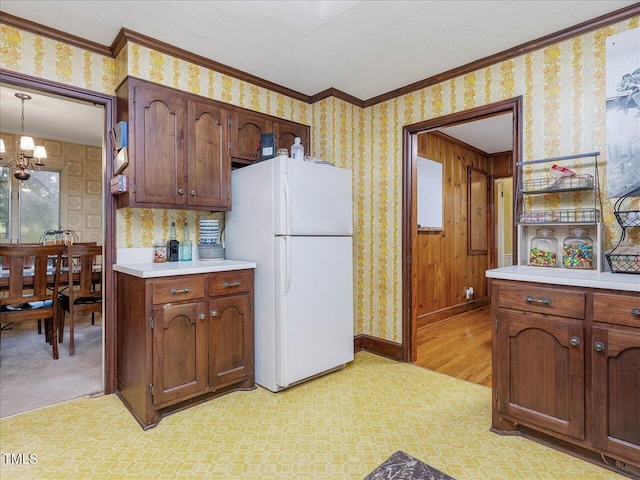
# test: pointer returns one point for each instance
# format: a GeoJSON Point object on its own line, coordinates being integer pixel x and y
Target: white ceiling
{"type": "Point", "coordinates": [364, 48]}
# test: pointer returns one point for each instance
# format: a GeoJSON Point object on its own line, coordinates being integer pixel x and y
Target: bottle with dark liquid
{"type": "Point", "coordinates": [173, 245]}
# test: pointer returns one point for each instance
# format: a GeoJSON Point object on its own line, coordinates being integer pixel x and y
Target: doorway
{"type": "Point", "coordinates": [410, 238]}
{"type": "Point", "coordinates": [106, 105]}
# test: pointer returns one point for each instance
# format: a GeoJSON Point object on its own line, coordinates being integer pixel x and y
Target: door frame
{"type": "Point", "coordinates": [409, 200]}
{"type": "Point", "coordinates": [109, 205]}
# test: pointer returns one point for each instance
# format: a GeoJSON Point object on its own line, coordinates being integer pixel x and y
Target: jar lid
{"type": "Point", "coordinates": [579, 232]}
{"type": "Point", "coordinates": [545, 232]}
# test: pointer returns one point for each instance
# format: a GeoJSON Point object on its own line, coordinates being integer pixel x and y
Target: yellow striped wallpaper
{"type": "Point", "coordinates": [563, 88]}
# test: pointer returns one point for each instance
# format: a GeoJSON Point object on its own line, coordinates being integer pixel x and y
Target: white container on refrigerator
{"type": "Point", "coordinates": [294, 219]}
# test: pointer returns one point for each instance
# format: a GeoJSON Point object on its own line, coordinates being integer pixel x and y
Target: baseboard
{"type": "Point", "coordinates": [442, 314]}
{"type": "Point", "coordinates": [379, 346]}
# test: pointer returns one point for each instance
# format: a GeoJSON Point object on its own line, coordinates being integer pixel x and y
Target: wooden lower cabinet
{"type": "Point", "coordinates": [183, 340]}
{"type": "Point", "coordinates": [566, 369]}
{"type": "Point", "coordinates": [543, 382]}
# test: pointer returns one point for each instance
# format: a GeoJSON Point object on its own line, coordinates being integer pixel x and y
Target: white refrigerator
{"type": "Point", "coordinates": [294, 220]}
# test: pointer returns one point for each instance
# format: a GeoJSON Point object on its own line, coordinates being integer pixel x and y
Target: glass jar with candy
{"type": "Point", "coordinates": [577, 249]}
{"type": "Point", "coordinates": [544, 248]}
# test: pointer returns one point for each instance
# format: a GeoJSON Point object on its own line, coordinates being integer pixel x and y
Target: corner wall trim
{"type": "Point", "coordinates": [379, 346]}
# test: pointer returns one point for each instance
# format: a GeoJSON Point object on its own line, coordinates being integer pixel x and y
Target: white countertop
{"type": "Point", "coordinates": [563, 276]}
{"type": "Point", "coordinates": [168, 269]}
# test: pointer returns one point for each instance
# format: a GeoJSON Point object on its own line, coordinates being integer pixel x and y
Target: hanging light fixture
{"type": "Point", "coordinates": [28, 150]}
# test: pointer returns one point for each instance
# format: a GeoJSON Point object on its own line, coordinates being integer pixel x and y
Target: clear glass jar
{"type": "Point", "coordinates": [544, 248]}
{"type": "Point", "coordinates": [159, 252]}
{"type": "Point", "coordinates": [577, 249]}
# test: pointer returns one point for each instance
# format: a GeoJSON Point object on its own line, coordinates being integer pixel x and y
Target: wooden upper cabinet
{"type": "Point", "coordinates": [208, 165]}
{"type": "Point", "coordinates": [178, 149]}
{"type": "Point", "coordinates": [159, 148]}
{"type": "Point", "coordinates": [286, 133]}
{"type": "Point", "coordinates": [246, 129]}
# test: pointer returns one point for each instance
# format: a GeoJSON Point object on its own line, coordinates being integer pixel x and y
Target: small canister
{"type": "Point", "coordinates": [159, 252]}
{"type": "Point", "coordinates": [544, 248]}
{"type": "Point", "coordinates": [577, 249]}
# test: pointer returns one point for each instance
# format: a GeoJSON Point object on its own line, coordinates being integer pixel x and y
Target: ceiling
{"type": "Point", "coordinates": [364, 48]}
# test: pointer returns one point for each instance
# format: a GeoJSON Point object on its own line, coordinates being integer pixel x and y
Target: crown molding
{"type": "Point", "coordinates": [126, 35]}
{"type": "Point", "coordinates": [557, 37]}
{"type": "Point", "coordinates": [57, 35]}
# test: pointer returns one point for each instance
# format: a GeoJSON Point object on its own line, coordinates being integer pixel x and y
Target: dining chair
{"type": "Point", "coordinates": [32, 294]}
{"type": "Point", "coordinates": [84, 290]}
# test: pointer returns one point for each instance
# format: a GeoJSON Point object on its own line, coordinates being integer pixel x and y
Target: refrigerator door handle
{"type": "Point", "coordinates": [287, 253]}
{"type": "Point", "coordinates": [287, 202]}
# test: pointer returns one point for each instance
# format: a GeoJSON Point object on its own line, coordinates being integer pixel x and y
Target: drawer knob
{"type": "Point", "coordinates": [181, 191]}
{"type": "Point", "coordinates": [213, 313]}
{"type": "Point", "coordinates": [180, 290]}
{"type": "Point", "coordinates": [192, 193]}
{"type": "Point", "coordinates": [575, 341]}
{"type": "Point", "coordinates": [232, 284]}
{"type": "Point", "coordinates": [201, 316]}
{"type": "Point", "coordinates": [635, 312]}
{"type": "Point", "coordinates": [598, 347]}
{"type": "Point", "coordinates": [531, 299]}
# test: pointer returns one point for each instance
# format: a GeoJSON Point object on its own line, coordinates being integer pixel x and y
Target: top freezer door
{"type": "Point", "coordinates": [312, 199]}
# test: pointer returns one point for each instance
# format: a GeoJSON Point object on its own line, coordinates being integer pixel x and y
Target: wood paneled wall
{"type": "Point", "coordinates": [445, 269]}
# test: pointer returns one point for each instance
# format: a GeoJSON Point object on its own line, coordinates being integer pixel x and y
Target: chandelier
{"type": "Point", "coordinates": [28, 151]}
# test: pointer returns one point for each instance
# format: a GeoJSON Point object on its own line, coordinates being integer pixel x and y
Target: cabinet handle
{"type": "Point", "coordinates": [575, 341]}
{"type": "Point", "coordinates": [531, 299]}
{"type": "Point", "coordinates": [598, 347]}
{"type": "Point", "coordinates": [192, 193]}
{"type": "Point", "coordinates": [213, 313]}
{"type": "Point", "coordinates": [635, 312]}
{"type": "Point", "coordinates": [201, 316]}
{"type": "Point", "coordinates": [180, 191]}
{"type": "Point", "coordinates": [181, 290]}
{"type": "Point", "coordinates": [232, 284]}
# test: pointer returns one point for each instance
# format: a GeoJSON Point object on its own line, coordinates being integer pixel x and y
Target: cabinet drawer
{"type": "Point", "coordinates": [618, 309]}
{"type": "Point", "coordinates": [177, 289]}
{"type": "Point", "coordinates": [223, 283]}
{"type": "Point", "coordinates": [532, 298]}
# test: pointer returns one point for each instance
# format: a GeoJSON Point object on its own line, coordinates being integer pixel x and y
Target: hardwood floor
{"type": "Point", "coordinates": [459, 346]}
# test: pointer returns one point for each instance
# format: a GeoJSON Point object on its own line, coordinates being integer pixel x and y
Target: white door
{"type": "Point", "coordinates": [314, 304]}
{"type": "Point", "coordinates": [312, 199]}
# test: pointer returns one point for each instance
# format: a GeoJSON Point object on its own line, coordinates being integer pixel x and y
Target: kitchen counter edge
{"type": "Point", "coordinates": [573, 278]}
{"type": "Point", "coordinates": [170, 269]}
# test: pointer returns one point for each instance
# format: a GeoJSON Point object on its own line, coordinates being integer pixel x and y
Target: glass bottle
{"type": "Point", "coordinates": [173, 245]}
{"type": "Point", "coordinates": [186, 249]}
{"type": "Point", "coordinates": [544, 248]}
{"type": "Point", "coordinates": [577, 249]}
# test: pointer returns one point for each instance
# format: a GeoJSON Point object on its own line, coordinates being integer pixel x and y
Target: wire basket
{"type": "Point", "coordinates": [623, 263]}
{"type": "Point", "coordinates": [582, 215]}
{"type": "Point", "coordinates": [562, 184]}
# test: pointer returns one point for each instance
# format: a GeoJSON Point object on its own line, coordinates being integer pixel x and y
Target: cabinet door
{"type": "Point", "coordinates": [287, 132]}
{"type": "Point", "coordinates": [209, 165]}
{"type": "Point", "coordinates": [159, 146]}
{"type": "Point", "coordinates": [541, 365]}
{"type": "Point", "coordinates": [179, 352]}
{"type": "Point", "coordinates": [245, 135]}
{"type": "Point", "coordinates": [615, 364]}
{"type": "Point", "coordinates": [230, 342]}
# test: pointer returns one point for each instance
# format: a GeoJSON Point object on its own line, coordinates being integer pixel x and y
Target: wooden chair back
{"type": "Point", "coordinates": [84, 292]}
{"type": "Point", "coordinates": [31, 297]}
{"type": "Point", "coordinates": [82, 284]}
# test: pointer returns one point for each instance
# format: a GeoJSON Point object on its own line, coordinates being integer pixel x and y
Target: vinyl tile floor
{"type": "Point", "coordinates": [340, 426]}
